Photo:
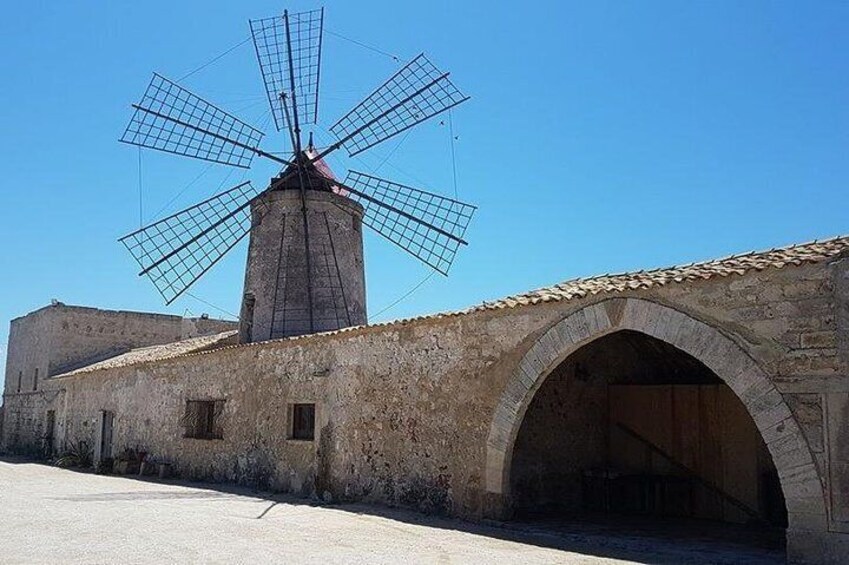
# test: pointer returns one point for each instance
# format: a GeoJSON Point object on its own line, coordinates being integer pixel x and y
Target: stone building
{"type": "Point", "coordinates": [60, 338]}
{"type": "Point", "coordinates": [716, 390]}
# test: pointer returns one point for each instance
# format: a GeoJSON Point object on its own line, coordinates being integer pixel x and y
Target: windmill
{"type": "Point", "coordinates": [305, 268]}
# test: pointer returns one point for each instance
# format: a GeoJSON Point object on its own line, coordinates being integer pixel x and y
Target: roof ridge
{"type": "Point", "coordinates": [808, 252]}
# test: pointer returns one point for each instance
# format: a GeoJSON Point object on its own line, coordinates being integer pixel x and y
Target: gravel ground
{"type": "Point", "coordinates": [51, 515]}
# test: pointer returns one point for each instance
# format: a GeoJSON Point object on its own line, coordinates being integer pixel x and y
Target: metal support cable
{"type": "Point", "coordinates": [214, 59]}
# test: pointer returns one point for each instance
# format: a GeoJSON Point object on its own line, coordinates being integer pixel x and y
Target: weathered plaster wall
{"type": "Point", "coordinates": [404, 411]}
{"type": "Point", "coordinates": [60, 338]}
{"type": "Point", "coordinates": [277, 301]}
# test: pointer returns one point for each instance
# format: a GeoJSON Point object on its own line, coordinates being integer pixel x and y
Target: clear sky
{"type": "Point", "coordinates": [600, 137]}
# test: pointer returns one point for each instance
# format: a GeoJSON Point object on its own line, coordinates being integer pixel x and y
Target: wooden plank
{"type": "Point", "coordinates": [739, 454]}
{"type": "Point", "coordinates": [708, 504]}
{"type": "Point", "coordinates": [685, 424]}
{"type": "Point", "coordinates": [712, 487]}
{"type": "Point", "coordinates": [625, 405]}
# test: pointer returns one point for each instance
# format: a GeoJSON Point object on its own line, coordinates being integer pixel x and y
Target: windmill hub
{"type": "Point", "coordinates": [305, 257]}
{"type": "Point", "coordinates": [317, 175]}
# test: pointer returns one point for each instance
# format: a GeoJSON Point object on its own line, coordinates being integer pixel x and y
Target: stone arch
{"type": "Point", "coordinates": [800, 481]}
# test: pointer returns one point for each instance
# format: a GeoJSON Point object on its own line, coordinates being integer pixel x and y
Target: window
{"type": "Point", "coordinates": [20, 378]}
{"type": "Point", "coordinates": [202, 419]}
{"type": "Point", "coordinates": [303, 421]}
{"type": "Point", "coordinates": [35, 380]}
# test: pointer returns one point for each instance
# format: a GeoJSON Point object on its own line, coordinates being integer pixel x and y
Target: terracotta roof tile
{"type": "Point", "coordinates": [159, 352]}
{"type": "Point", "coordinates": [796, 255]}
{"type": "Point", "coordinates": [735, 265]}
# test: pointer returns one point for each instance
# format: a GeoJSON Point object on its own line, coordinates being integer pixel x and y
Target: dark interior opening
{"type": "Point", "coordinates": [630, 426]}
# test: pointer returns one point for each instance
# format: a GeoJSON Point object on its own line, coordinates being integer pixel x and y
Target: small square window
{"type": "Point", "coordinates": [202, 419]}
{"type": "Point", "coordinates": [303, 422]}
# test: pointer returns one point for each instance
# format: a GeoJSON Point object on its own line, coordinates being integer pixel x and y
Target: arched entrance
{"type": "Point", "coordinates": [630, 425]}
{"type": "Point", "coordinates": [671, 345]}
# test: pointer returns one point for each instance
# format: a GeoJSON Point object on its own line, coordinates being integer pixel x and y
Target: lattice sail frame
{"type": "Point", "coordinates": [306, 30]}
{"type": "Point", "coordinates": [428, 226]}
{"type": "Point", "coordinates": [176, 251]}
{"type": "Point", "coordinates": [414, 94]}
{"type": "Point", "coordinates": [170, 118]}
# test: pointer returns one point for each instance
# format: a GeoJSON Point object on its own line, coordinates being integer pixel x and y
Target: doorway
{"type": "Point", "coordinates": [107, 419]}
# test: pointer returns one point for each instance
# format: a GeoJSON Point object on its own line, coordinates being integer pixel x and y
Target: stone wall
{"type": "Point", "coordinates": [59, 338]}
{"type": "Point", "coordinates": [406, 412]}
{"type": "Point", "coordinates": [277, 300]}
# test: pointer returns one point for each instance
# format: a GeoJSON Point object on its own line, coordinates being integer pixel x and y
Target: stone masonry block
{"type": "Point", "coordinates": [782, 428]}
{"type": "Point", "coordinates": [614, 309]}
{"type": "Point", "coordinates": [577, 327]}
{"type": "Point", "coordinates": [789, 452]}
{"type": "Point", "coordinates": [807, 521]}
{"type": "Point", "coordinates": [753, 385]}
{"type": "Point", "coordinates": [533, 363]}
{"type": "Point", "coordinates": [601, 321]}
{"type": "Point", "coordinates": [686, 337]}
{"type": "Point", "coordinates": [495, 459]}
{"type": "Point", "coordinates": [771, 418]}
{"type": "Point", "coordinates": [635, 315]}
{"type": "Point", "coordinates": [656, 320]}
{"type": "Point", "coordinates": [803, 483]}
{"type": "Point", "coordinates": [672, 325]}
{"type": "Point", "coordinates": [718, 354]}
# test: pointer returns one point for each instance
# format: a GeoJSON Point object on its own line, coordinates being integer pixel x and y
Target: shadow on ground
{"type": "Point", "coordinates": [633, 538]}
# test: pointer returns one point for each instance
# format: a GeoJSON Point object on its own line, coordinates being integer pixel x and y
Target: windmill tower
{"type": "Point", "coordinates": [296, 284]}
{"type": "Point", "coordinates": [305, 258]}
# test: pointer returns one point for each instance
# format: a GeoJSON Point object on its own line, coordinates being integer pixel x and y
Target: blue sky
{"type": "Point", "coordinates": [600, 137]}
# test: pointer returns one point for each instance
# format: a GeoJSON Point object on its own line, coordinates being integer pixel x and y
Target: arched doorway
{"type": "Point", "coordinates": [629, 425]}
{"type": "Point", "coordinates": [727, 360]}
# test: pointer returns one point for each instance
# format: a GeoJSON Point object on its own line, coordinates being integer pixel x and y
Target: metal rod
{"type": "Point", "coordinates": [414, 188]}
{"type": "Point", "coordinates": [298, 164]}
{"type": "Point", "coordinates": [703, 481]}
{"type": "Point", "coordinates": [256, 150]}
{"type": "Point", "coordinates": [262, 72]}
{"type": "Point", "coordinates": [289, 124]}
{"type": "Point", "coordinates": [318, 65]}
{"type": "Point", "coordinates": [203, 272]}
{"type": "Point", "coordinates": [277, 279]}
{"type": "Point", "coordinates": [210, 199]}
{"type": "Point", "coordinates": [339, 143]}
{"type": "Point", "coordinates": [408, 126]}
{"type": "Point", "coordinates": [215, 225]}
{"type": "Point", "coordinates": [338, 272]}
{"type": "Point", "coordinates": [292, 87]}
{"type": "Point", "coordinates": [397, 211]}
{"type": "Point", "coordinates": [195, 238]}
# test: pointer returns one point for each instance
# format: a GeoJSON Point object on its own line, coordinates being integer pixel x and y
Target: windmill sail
{"type": "Point", "coordinates": [176, 251]}
{"type": "Point", "coordinates": [170, 118]}
{"type": "Point", "coordinates": [412, 95]}
{"type": "Point", "coordinates": [426, 225]}
{"type": "Point", "coordinates": [273, 53]}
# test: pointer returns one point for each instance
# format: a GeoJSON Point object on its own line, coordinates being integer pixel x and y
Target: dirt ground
{"type": "Point", "coordinates": [51, 515]}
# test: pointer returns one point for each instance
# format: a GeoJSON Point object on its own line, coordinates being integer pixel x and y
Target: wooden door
{"type": "Point", "coordinates": [106, 421]}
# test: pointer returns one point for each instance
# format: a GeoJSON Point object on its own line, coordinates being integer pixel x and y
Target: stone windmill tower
{"type": "Point", "coordinates": [305, 259]}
